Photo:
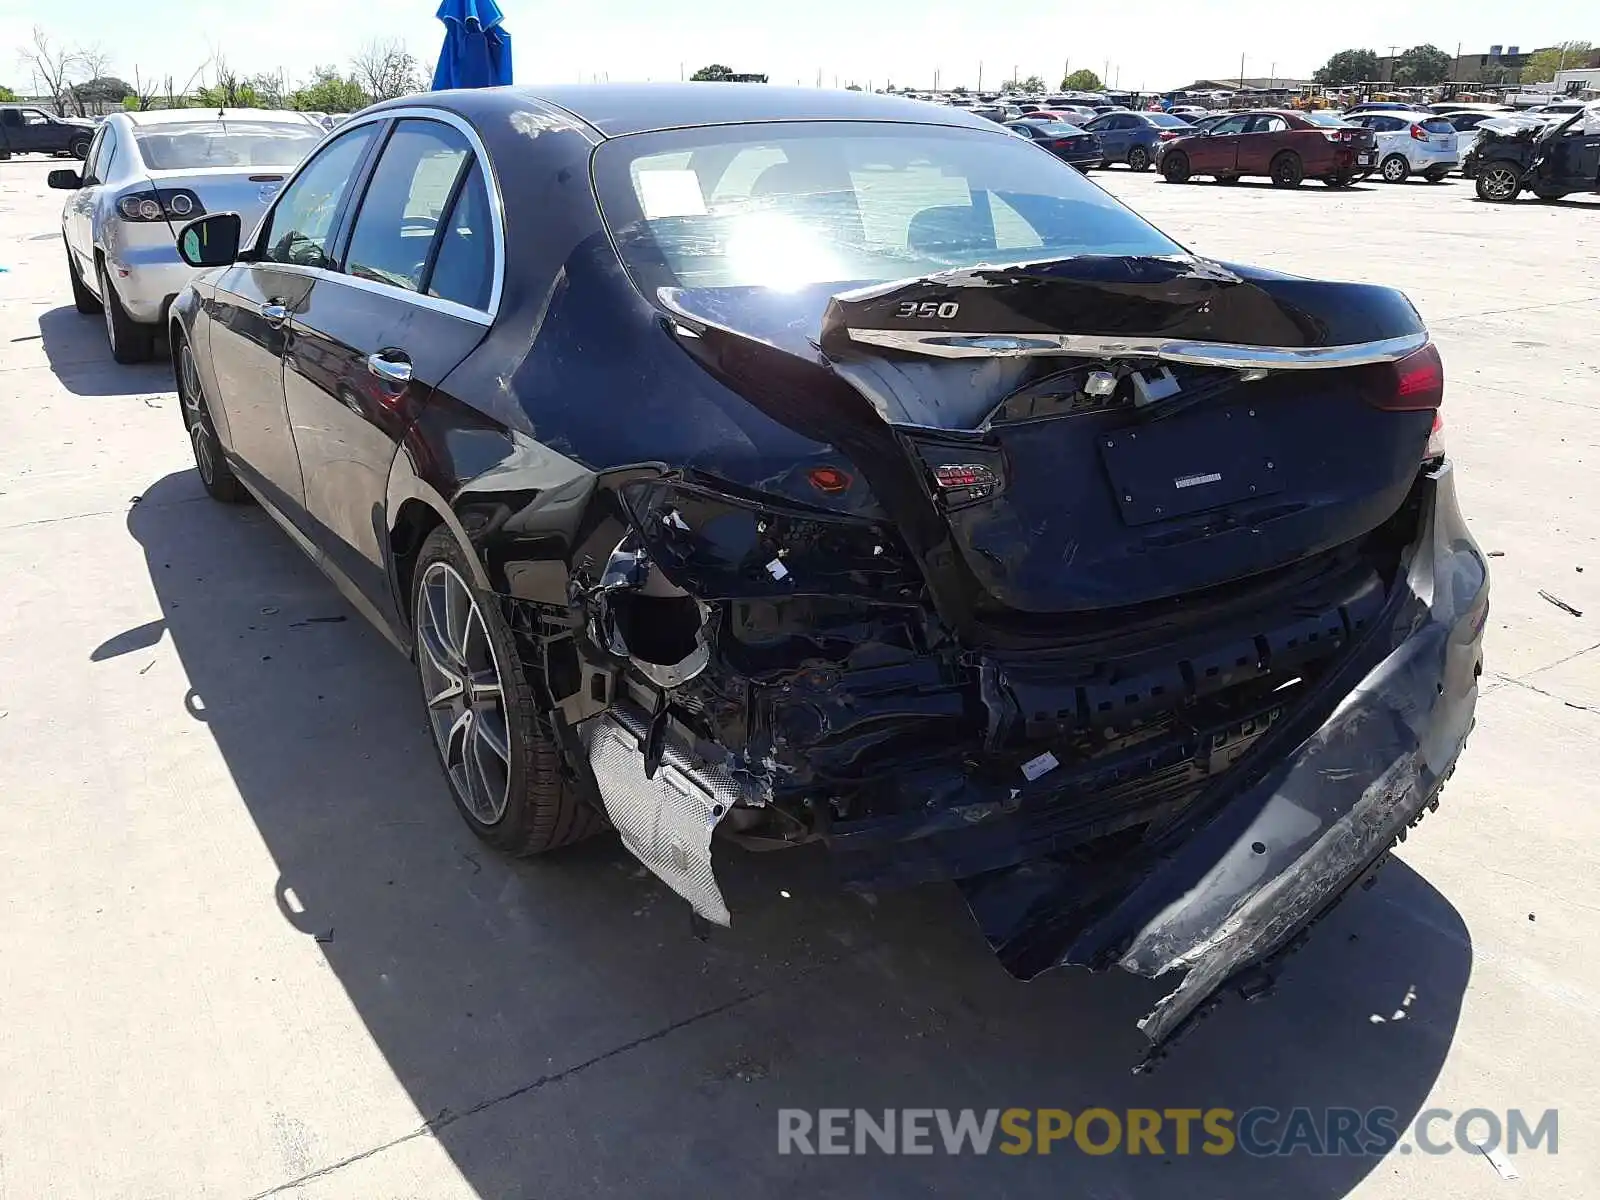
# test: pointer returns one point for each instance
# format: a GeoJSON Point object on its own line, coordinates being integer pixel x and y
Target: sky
{"type": "Point", "coordinates": [1153, 45]}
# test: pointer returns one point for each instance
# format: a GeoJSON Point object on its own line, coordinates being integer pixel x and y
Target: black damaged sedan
{"type": "Point", "coordinates": [778, 466]}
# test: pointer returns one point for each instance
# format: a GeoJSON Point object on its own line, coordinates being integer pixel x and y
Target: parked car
{"type": "Point", "coordinates": [1450, 108]}
{"type": "Point", "coordinates": [1551, 159]}
{"type": "Point", "coordinates": [145, 175]}
{"type": "Point", "coordinates": [1286, 147]}
{"type": "Point", "coordinates": [1209, 121]}
{"type": "Point", "coordinates": [1411, 143]}
{"type": "Point", "coordinates": [1132, 137]}
{"type": "Point", "coordinates": [1559, 108]}
{"type": "Point", "coordinates": [998, 113]}
{"type": "Point", "coordinates": [1466, 124]}
{"type": "Point", "coordinates": [25, 129]}
{"type": "Point", "coordinates": [1125, 588]}
{"type": "Point", "coordinates": [1067, 142]}
{"type": "Point", "coordinates": [1366, 106]}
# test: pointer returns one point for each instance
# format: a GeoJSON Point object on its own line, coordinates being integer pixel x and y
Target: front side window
{"type": "Point", "coordinates": [32, 116]}
{"type": "Point", "coordinates": [847, 202]}
{"type": "Point", "coordinates": [301, 226]}
{"type": "Point", "coordinates": [405, 203]}
{"type": "Point", "coordinates": [1231, 125]}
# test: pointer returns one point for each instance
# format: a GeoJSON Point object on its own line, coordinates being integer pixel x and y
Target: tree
{"type": "Point", "coordinates": [271, 88]}
{"type": "Point", "coordinates": [1033, 85]}
{"type": "Point", "coordinates": [100, 92]}
{"type": "Point", "coordinates": [1348, 66]}
{"type": "Point", "coordinates": [328, 91]}
{"type": "Point", "coordinates": [715, 73]}
{"type": "Point", "coordinates": [959, 90]}
{"type": "Point", "coordinates": [1542, 67]}
{"type": "Point", "coordinates": [6, 95]}
{"type": "Point", "coordinates": [1082, 81]}
{"type": "Point", "coordinates": [852, 87]}
{"type": "Point", "coordinates": [52, 66]}
{"type": "Point", "coordinates": [1422, 66]}
{"type": "Point", "coordinates": [385, 70]}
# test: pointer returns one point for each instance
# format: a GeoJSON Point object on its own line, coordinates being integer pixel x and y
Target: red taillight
{"type": "Point", "coordinates": [1418, 133]}
{"type": "Point", "coordinates": [1169, 135]}
{"type": "Point", "coordinates": [830, 481]}
{"type": "Point", "coordinates": [1061, 143]}
{"type": "Point", "coordinates": [1414, 383]}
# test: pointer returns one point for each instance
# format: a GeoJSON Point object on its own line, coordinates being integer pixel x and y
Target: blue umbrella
{"type": "Point", "coordinates": [477, 49]}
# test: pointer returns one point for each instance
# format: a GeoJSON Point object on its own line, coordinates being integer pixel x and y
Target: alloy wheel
{"type": "Point", "coordinates": [1498, 183]}
{"type": "Point", "coordinates": [464, 692]}
{"type": "Point", "coordinates": [1394, 170]}
{"type": "Point", "coordinates": [194, 416]}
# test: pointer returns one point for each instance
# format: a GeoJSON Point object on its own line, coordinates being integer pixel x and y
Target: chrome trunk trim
{"type": "Point", "coordinates": [1202, 354]}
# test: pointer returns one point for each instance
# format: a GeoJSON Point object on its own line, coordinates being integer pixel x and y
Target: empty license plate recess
{"type": "Point", "coordinates": [1189, 464]}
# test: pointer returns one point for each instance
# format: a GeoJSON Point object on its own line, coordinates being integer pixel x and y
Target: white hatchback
{"type": "Point", "coordinates": [1411, 143]}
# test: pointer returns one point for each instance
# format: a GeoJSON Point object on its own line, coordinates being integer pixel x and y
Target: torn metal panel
{"type": "Point", "coordinates": [666, 822]}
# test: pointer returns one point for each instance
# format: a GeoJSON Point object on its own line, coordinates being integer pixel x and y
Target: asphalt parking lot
{"type": "Point", "coordinates": [248, 949]}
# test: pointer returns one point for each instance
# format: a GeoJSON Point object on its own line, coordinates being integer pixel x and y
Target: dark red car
{"type": "Point", "coordinates": [1285, 147]}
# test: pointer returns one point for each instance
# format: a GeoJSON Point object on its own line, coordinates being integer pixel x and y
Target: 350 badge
{"type": "Point", "coordinates": [927, 309]}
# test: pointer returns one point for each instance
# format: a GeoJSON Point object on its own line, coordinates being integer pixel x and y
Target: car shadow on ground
{"type": "Point", "coordinates": [80, 357]}
{"type": "Point", "coordinates": [1254, 185]}
{"type": "Point", "coordinates": [563, 1032]}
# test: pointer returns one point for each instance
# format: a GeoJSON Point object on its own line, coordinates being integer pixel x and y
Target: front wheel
{"type": "Point", "coordinates": [1288, 171]}
{"type": "Point", "coordinates": [503, 766]}
{"type": "Point", "coordinates": [1395, 169]}
{"type": "Point", "coordinates": [1175, 167]}
{"type": "Point", "coordinates": [83, 299]}
{"type": "Point", "coordinates": [79, 148]}
{"type": "Point", "coordinates": [1499, 181]}
{"type": "Point", "coordinates": [1139, 158]}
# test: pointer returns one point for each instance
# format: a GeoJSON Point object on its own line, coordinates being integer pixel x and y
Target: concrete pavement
{"type": "Point", "coordinates": [248, 949]}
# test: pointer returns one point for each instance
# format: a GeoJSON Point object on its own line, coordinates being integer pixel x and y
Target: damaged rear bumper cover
{"type": "Point", "coordinates": [1308, 801]}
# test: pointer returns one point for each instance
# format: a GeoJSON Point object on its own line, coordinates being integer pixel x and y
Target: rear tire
{"type": "Point", "coordinates": [461, 635]}
{"type": "Point", "coordinates": [1395, 169]}
{"type": "Point", "coordinates": [131, 342]}
{"type": "Point", "coordinates": [83, 299]}
{"type": "Point", "coordinates": [1139, 159]}
{"type": "Point", "coordinates": [1436, 174]}
{"type": "Point", "coordinates": [1175, 167]}
{"type": "Point", "coordinates": [209, 461]}
{"type": "Point", "coordinates": [1499, 181]}
{"type": "Point", "coordinates": [1288, 171]}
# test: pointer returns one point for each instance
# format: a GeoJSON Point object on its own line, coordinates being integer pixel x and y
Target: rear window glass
{"type": "Point", "coordinates": [1326, 120]}
{"type": "Point", "coordinates": [1165, 119]}
{"type": "Point", "coordinates": [1437, 125]}
{"type": "Point", "coordinates": [1055, 128]}
{"type": "Point", "coordinates": [787, 205]}
{"type": "Point", "coordinates": [190, 146]}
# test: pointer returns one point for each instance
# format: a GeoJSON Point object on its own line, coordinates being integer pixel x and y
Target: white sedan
{"type": "Point", "coordinates": [147, 174]}
{"type": "Point", "coordinates": [1411, 143]}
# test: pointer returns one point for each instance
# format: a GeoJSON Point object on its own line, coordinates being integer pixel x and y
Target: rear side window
{"type": "Point", "coordinates": [463, 269]}
{"type": "Point", "coordinates": [405, 203]}
{"type": "Point", "coordinates": [1438, 125]}
{"type": "Point", "coordinates": [300, 229]}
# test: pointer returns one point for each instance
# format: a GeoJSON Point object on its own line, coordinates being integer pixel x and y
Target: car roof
{"type": "Point", "coordinates": [174, 116]}
{"type": "Point", "coordinates": [617, 109]}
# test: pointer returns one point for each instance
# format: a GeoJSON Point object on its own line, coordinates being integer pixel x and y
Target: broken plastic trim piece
{"type": "Point", "coordinates": [640, 615]}
{"type": "Point", "coordinates": [1201, 354]}
{"type": "Point", "coordinates": [666, 822]}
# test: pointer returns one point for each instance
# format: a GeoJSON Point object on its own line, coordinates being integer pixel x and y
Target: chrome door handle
{"type": "Point", "coordinates": [389, 370]}
{"type": "Point", "coordinates": [275, 314]}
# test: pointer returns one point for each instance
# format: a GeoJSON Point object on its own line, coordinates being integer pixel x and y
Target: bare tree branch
{"type": "Point", "coordinates": [53, 66]}
{"type": "Point", "coordinates": [385, 69]}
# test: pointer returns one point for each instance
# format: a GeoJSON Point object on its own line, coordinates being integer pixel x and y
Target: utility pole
{"type": "Point", "coordinates": [1241, 72]}
{"type": "Point", "coordinates": [936, 83]}
{"type": "Point", "coordinates": [1105, 76]}
{"type": "Point", "coordinates": [1272, 76]}
{"type": "Point", "coordinates": [1392, 50]}
{"type": "Point", "coordinates": [980, 79]}
{"type": "Point", "coordinates": [1066, 69]}
{"type": "Point", "coordinates": [1457, 76]}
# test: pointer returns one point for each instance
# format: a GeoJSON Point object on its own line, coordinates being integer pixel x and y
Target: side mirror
{"type": "Point", "coordinates": [65, 180]}
{"type": "Point", "coordinates": [211, 240]}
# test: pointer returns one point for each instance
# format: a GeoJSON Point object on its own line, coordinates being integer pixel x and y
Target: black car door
{"type": "Point", "coordinates": [250, 310]}
{"type": "Point", "coordinates": [416, 292]}
{"type": "Point", "coordinates": [35, 131]}
{"type": "Point", "coordinates": [1575, 160]}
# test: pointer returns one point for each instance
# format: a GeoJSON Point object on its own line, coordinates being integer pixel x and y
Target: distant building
{"type": "Point", "coordinates": [1578, 81]}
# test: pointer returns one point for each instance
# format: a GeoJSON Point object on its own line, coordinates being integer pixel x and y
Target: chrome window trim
{"type": "Point", "coordinates": [497, 216]}
{"type": "Point", "coordinates": [1200, 354]}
